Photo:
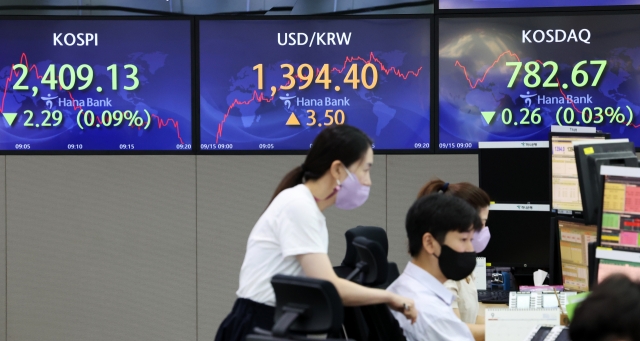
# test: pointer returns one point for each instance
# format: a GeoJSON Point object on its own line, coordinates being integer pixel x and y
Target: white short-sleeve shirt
{"type": "Point", "coordinates": [292, 225]}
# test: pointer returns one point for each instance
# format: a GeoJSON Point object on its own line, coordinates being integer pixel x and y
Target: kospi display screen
{"type": "Point", "coordinates": [479, 4]}
{"type": "Point", "coordinates": [95, 85]}
{"type": "Point", "coordinates": [511, 78]}
{"type": "Point", "coordinates": [275, 84]}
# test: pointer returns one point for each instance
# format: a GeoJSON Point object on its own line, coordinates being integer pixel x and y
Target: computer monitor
{"type": "Point", "coordinates": [590, 156]}
{"type": "Point", "coordinates": [619, 224]}
{"type": "Point", "coordinates": [565, 192]}
{"type": "Point", "coordinates": [573, 240]}
{"type": "Point", "coordinates": [519, 236]}
{"type": "Point", "coordinates": [515, 175]}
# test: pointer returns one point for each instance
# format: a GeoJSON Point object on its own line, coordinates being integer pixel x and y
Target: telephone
{"type": "Point", "coordinates": [549, 333]}
{"type": "Point", "coordinates": [538, 299]}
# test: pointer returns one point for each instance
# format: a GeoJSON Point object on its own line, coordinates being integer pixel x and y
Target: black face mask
{"type": "Point", "coordinates": [456, 265]}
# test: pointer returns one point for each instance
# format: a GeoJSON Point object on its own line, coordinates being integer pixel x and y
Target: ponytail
{"type": "Point", "coordinates": [292, 179]}
{"type": "Point", "coordinates": [470, 193]}
{"type": "Point", "coordinates": [433, 186]}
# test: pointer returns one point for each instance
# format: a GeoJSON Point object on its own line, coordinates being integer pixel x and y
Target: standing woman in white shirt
{"type": "Point", "coordinates": [465, 303]}
{"type": "Point", "coordinates": [291, 236]}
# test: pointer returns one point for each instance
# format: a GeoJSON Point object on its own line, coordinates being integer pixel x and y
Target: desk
{"type": "Point", "coordinates": [484, 306]}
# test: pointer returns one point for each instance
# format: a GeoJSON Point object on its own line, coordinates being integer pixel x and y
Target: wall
{"type": "Point", "coordinates": [150, 247]}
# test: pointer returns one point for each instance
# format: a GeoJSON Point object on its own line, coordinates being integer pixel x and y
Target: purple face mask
{"type": "Point", "coordinates": [481, 239]}
{"type": "Point", "coordinates": [352, 193]}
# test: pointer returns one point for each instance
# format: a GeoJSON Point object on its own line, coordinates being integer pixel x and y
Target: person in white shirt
{"type": "Point", "coordinates": [291, 236]}
{"type": "Point", "coordinates": [465, 302]}
{"type": "Point", "coordinates": [440, 229]}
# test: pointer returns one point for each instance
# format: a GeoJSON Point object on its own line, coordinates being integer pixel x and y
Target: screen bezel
{"type": "Point", "coordinates": [432, 51]}
{"type": "Point", "coordinates": [599, 224]}
{"type": "Point", "coordinates": [194, 94]}
{"type": "Point", "coordinates": [601, 212]}
{"type": "Point", "coordinates": [556, 245]}
{"type": "Point", "coordinates": [520, 265]}
{"type": "Point", "coordinates": [574, 214]}
{"type": "Point", "coordinates": [438, 10]}
{"type": "Point", "coordinates": [556, 12]}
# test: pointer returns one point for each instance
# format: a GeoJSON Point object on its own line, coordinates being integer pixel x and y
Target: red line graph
{"type": "Point", "coordinates": [162, 123]}
{"type": "Point", "coordinates": [259, 97]}
{"type": "Point", "coordinates": [372, 58]}
{"type": "Point", "coordinates": [508, 52]}
{"type": "Point", "coordinates": [254, 97]}
{"type": "Point", "coordinates": [481, 80]}
{"type": "Point", "coordinates": [25, 60]}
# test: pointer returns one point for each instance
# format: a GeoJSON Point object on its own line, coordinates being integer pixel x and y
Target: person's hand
{"type": "Point", "coordinates": [405, 306]}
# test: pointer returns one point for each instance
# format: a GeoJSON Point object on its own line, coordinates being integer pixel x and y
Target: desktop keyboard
{"type": "Point", "coordinates": [493, 296]}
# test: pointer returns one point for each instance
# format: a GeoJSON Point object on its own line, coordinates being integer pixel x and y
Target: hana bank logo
{"type": "Point", "coordinates": [287, 99]}
{"type": "Point", "coordinates": [49, 100]}
{"type": "Point", "coordinates": [527, 98]}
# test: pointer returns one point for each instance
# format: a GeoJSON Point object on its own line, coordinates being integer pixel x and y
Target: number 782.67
{"type": "Point", "coordinates": [333, 116]}
{"type": "Point", "coordinates": [532, 79]}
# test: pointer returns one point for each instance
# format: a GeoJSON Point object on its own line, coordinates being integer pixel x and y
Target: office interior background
{"type": "Point", "coordinates": [149, 247]}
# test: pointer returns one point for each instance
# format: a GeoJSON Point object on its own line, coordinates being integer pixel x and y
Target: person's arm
{"type": "Point", "coordinates": [318, 265]}
{"type": "Point", "coordinates": [480, 319]}
{"type": "Point", "coordinates": [477, 330]}
{"type": "Point", "coordinates": [457, 312]}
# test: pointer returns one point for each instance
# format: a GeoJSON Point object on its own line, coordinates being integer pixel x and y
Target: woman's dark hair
{"type": "Point", "coordinates": [470, 193]}
{"type": "Point", "coordinates": [339, 142]}
{"type": "Point", "coordinates": [610, 312]}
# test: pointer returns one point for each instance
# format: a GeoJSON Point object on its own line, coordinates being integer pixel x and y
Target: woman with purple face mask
{"type": "Point", "coordinates": [466, 304]}
{"type": "Point", "coordinates": [291, 236]}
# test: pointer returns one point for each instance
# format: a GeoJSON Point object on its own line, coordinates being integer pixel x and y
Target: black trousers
{"type": "Point", "coordinates": [243, 318]}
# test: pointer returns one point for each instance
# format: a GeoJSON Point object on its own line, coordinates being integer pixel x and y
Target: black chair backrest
{"type": "Point", "coordinates": [382, 325]}
{"type": "Point", "coordinates": [373, 233]}
{"type": "Point", "coordinates": [371, 253]}
{"type": "Point", "coordinates": [375, 322]}
{"type": "Point", "coordinates": [392, 274]}
{"type": "Point", "coordinates": [316, 302]}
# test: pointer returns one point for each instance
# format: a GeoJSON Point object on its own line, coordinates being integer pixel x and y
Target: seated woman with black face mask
{"type": "Point", "coordinates": [465, 302]}
{"type": "Point", "coordinates": [440, 229]}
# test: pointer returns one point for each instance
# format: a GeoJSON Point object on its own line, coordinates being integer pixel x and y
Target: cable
{"type": "Point", "coordinates": [381, 8]}
{"type": "Point", "coordinates": [114, 8]}
{"type": "Point", "coordinates": [165, 13]}
{"type": "Point", "coordinates": [95, 8]}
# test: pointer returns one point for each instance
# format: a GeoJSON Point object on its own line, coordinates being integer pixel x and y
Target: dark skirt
{"type": "Point", "coordinates": [243, 318]}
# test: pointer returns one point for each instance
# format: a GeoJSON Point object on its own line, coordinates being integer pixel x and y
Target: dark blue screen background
{"type": "Point", "coordinates": [473, 77]}
{"type": "Point", "coordinates": [236, 115]}
{"type": "Point", "coordinates": [161, 49]}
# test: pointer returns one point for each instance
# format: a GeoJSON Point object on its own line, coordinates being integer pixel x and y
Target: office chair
{"type": "Point", "coordinates": [351, 257]}
{"type": "Point", "coordinates": [367, 264]}
{"type": "Point", "coordinates": [304, 306]}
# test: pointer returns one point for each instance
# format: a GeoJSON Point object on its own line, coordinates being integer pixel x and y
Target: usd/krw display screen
{"type": "Point", "coordinates": [275, 84]}
{"type": "Point", "coordinates": [95, 85]}
{"type": "Point", "coordinates": [478, 4]}
{"type": "Point", "coordinates": [511, 78]}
